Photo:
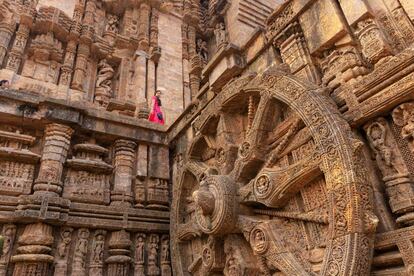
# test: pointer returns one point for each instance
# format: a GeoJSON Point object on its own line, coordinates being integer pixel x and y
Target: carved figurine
{"type": "Point", "coordinates": [112, 24]}
{"type": "Point", "coordinates": [98, 248]}
{"type": "Point", "coordinates": [153, 268]}
{"type": "Point", "coordinates": [220, 34]}
{"type": "Point", "coordinates": [377, 136]}
{"type": "Point", "coordinates": [80, 252]}
{"type": "Point", "coordinates": [104, 82]}
{"type": "Point", "coordinates": [202, 50]}
{"type": "Point", "coordinates": [140, 248]}
{"type": "Point", "coordinates": [63, 247]}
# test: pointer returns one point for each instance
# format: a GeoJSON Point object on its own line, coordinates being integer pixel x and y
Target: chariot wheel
{"type": "Point", "coordinates": [273, 184]}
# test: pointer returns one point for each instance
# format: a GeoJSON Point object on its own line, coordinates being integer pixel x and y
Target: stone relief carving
{"type": "Point", "coordinates": [211, 192]}
{"type": "Point", "coordinates": [153, 265]}
{"type": "Point", "coordinates": [112, 24]}
{"type": "Point", "coordinates": [96, 262]}
{"type": "Point", "coordinates": [79, 255]}
{"type": "Point", "coordinates": [202, 50]}
{"type": "Point", "coordinates": [103, 87]}
{"type": "Point", "coordinates": [221, 35]}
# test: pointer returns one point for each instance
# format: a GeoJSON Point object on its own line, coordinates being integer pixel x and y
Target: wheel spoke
{"type": "Point", "coordinates": [274, 187]}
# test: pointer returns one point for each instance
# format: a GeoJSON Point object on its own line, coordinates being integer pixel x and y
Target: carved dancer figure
{"type": "Point", "coordinates": [377, 135]}
{"type": "Point", "coordinates": [104, 82]}
{"type": "Point", "coordinates": [221, 35]}
{"type": "Point", "coordinates": [112, 24]}
{"type": "Point", "coordinates": [202, 50]}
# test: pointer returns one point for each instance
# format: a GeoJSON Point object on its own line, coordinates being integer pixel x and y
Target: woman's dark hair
{"type": "Point", "coordinates": [158, 98]}
{"type": "Point", "coordinates": [2, 82]}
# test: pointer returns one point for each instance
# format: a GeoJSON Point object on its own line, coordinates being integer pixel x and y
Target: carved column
{"type": "Point", "coordinates": [57, 142]}
{"type": "Point", "coordinates": [124, 162]}
{"type": "Point", "coordinates": [140, 255]}
{"type": "Point", "coordinates": [165, 256]}
{"type": "Point", "coordinates": [295, 53]}
{"type": "Point", "coordinates": [153, 268]}
{"type": "Point", "coordinates": [143, 27]}
{"type": "Point", "coordinates": [140, 79]}
{"type": "Point", "coordinates": [96, 262]}
{"type": "Point", "coordinates": [84, 49]}
{"type": "Point", "coordinates": [195, 64]}
{"type": "Point", "coordinates": [119, 249]}
{"type": "Point", "coordinates": [79, 255]}
{"type": "Point", "coordinates": [33, 254]}
{"type": "Point", "coordinates": [67, 67]}
{"type": "Point", "coordinates": [69, 60]}
{"type": "Point", "coordinates": [16, 53]}
{"type": "Point", "coordinates": [186, 66]}
{"type": "Point", "coordinates": [141, 176]}
{"type": "Point", "coordinates": [80, 70]}
{"type": "Point", "coordinates": [155, 53]}
{"type": "Point", "coordinates": [9, 234]}
{"type": "Point", "coordinates": [398, 184]}
{"type": "Point", "coordinates": [62, 252]}
{"type": "Point", "coordinates": [6, 32]}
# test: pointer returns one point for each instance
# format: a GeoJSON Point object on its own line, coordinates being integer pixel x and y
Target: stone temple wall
{"type": "Point", "coordinates": [287, 149]}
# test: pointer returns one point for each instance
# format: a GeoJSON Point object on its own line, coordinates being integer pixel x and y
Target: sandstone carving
{"type": "Point", "coordinates": [287, 149]}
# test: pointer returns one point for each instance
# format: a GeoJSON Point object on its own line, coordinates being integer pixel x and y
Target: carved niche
{"type": "Point", "coordinates": [398, 183]}
{"type": "Point", "coordinates": [88, 176]}
{"type": "Point", "coordinates": [103, 86]}
{"type": "Point", "coordinates": [45, 58]}
{"type": "Point", "coordinates": [278, 178]}
{"type": "Point", "coordinates": [62, 251]}
{"type": "Point", "coordinates": [17, 163]}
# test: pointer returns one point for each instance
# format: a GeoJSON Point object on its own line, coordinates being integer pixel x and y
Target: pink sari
{"type": "Point", "coordinates": [156, 109]}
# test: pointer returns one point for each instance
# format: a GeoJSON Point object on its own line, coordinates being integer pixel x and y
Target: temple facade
{"type": "Point", "coordinates": [287, 149]}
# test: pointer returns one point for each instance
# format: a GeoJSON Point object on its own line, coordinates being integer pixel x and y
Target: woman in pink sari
{"type": "Point", "coordinates": [156, 115]}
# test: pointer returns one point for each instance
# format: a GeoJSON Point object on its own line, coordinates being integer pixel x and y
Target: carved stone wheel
{"type": "Point", "coordinates": [273, 184]}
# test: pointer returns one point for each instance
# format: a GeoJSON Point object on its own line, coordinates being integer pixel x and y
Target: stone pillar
{"type": "Point", "coordinates": [141, 80]}
{"type": "Point", "coordinates": [398, 185]}
{"type": "Point", "coordinates": [6, 32]}
{"type": "Point", "coordinates": [33, 254]}
{"type": "Point", "coordinates": [154, 28]}
{"type": "Point", "coordinates": [195, 64]}
{"type": "Point", "coordinates": [124, 163]}
{"type": "Point", "coordinates": [186, 66]}
{"type": "Point", "coordinates": [57, 142]}
{"type": "Point", "coordinates": [84, 49]}
{"type": "Point", "coordinates": [80, 71]}
{"type": "Point", "coordinates": [16, 53]}
{"type": "Point", "coordinates": [151, 78]}
{"type": "Point", "coordinates": [141, 176]}
{"type": "Point", "coordinates": [67, 67]}
{"type": "Point", "coordinates": [9, 234]}
{"type": "Point", "coordinates": [62, 252]}
{"type": "Point", "coordinates": [120, 250]}
{"type": "Point", "coordinates": [144, 26]}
